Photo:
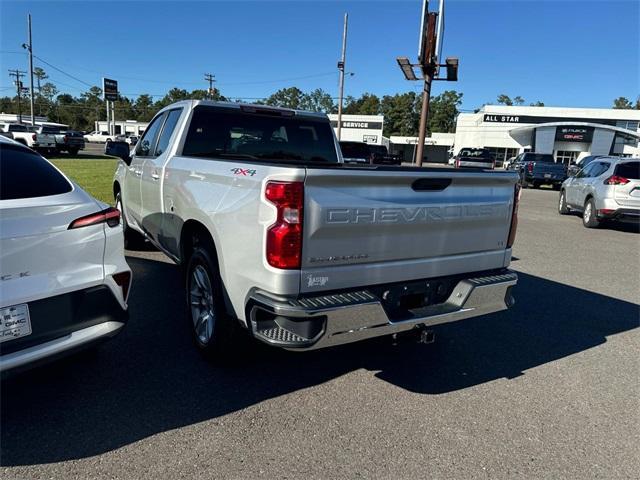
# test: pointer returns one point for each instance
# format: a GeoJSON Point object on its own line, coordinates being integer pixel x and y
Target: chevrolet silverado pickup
{"type": "Point", "coordinates": [279, 237]}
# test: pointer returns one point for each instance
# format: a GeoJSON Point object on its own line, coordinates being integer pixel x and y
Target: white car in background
{"type": "Point", "coordinates": [99, 137]}
{"type": "Point", "coordinates": [64, 280]}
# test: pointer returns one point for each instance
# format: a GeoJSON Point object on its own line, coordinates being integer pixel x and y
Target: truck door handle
{"type": "Point", "coordinates": [155, 175]}
{"type": "Point", "coordinates": [138, 173]}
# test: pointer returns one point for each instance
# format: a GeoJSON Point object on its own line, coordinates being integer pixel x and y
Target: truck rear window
{"type": "Point", "coordinates": [24, 174]}
{"type": "Point", "coordinates": [539, 157]}
{"type": "Point", "coordinates": [630, 170]}
{"type": "Point", "coordinates": [227, 133]}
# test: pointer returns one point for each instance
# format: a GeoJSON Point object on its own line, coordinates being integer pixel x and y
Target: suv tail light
{"type": "Point", "coordinates": [616, 180]}
{"type": "Point", "coordinates": [110, 216]}
{"type": "Point", "coordinates": [514, 216]}
{"type": "Point", "coordinates": [34, 137]}
{"type": "Point", "coordinates": [530, 167]}
{"type": "Point", "coordinates": [65, 139]}
{"type": "Point", "coordinates": [284, 237]}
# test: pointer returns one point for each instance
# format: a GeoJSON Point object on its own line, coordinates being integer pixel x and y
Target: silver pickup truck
{"type": "Point", "coordinates": [280, 238]}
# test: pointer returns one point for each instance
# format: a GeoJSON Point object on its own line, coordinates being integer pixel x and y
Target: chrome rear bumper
{"type": "Point", "coordinates": [316, 322]}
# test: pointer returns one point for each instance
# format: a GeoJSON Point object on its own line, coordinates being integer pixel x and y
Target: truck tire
{"type": "Point", "coordinates": [132, 239]}
{"type": "Point", "coordinates": [215, 333]}
{"type": "Point", "coordinates": [589, 218]}
{"type": "Point", "coordinates": [562, 204]}
{"type": "Point", "coordinates": [73, 151]}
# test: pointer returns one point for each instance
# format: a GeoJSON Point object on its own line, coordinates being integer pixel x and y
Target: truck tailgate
{"type": "Point", "coordinates": [366, 227]}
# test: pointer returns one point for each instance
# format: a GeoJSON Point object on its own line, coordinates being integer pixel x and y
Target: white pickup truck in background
{"type": "Point", "coordinates": [279, 237]}
{"type": "Point", "coordinates": [38, 138]}
{"type": "Point", "coordinates": [99, 137]}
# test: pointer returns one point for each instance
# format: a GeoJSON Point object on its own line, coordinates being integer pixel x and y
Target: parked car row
{"type": "Point", "coordinates": [44, 138]}
{"type": "Point", "coordinates": [313, 269]}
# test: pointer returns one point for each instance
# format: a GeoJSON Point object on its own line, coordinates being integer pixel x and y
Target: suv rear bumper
{"type": "Point", "coordinates": [65, 323]}
{"type": "Point", "coordinates": [316, 322]}
{"type": "Point", "coordinates": [627, 215]}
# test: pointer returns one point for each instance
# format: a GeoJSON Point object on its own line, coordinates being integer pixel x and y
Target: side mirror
{"type": "Point", "coordinates": [118, 149]}
{"type": "Point", "coordinates": [572, 170]}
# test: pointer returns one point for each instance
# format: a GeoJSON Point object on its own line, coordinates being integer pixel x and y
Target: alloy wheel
{"type": "Point", "coordinates": [201, 303]}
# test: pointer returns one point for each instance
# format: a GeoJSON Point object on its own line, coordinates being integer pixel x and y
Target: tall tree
{"type": "Point", "coordinates": [622, 103]}
{"type": "Point", "coordinates": [291, 97]}
{"type": "Point", "coordinates": [401, 114]}
{"type": "Point", "coordinates": [318, 101]}
{"type": "Point", "coordinates": [537, 103]}
{"type": "Point", "coordinates": [367, 104]}
{"type": "Point", "coordinates": [443, 110]}
{"type": "Point", "coordinates": [518, 100]}
{"type": "Point", "coordinates": [504, 99]}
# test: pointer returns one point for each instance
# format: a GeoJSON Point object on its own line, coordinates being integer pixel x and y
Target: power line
{"type": "Point", "coordinates": [64, 73]}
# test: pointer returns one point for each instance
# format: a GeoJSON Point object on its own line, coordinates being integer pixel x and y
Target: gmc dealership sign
{"type": "Point", "coordinates": [574, 134]}
{"type": "Point", "coordinates": [355, 124]}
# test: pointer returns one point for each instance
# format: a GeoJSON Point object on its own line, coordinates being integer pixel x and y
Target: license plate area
{"type": "Point", "coordinates": [547, 175]}
{"type": "Point", "coordinates": [14, 322]}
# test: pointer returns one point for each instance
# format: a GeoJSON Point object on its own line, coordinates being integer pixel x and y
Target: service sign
{"type": "Point", "coordinates": [110, 89]}
{"type": "Point", "coordinates": [574, 134]}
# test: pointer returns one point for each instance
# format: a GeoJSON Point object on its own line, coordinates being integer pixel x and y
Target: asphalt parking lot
{"type": "Point", "coordinates": [549, 389]}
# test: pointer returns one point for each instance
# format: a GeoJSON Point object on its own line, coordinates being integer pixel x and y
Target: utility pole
{"type": "Point", "coordinates": [18, 74]}
{"type": "Point", "coordinates": [211, 79]}
{"type": "Point", "coordinates": [341, 64]}
{"type": "Point", "coordinates": [29, 47]}
{"type": "Point", "coordinates": [429, 66]}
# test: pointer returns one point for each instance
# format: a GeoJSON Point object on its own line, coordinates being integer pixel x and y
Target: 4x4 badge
{"type": "Point", "coordinates": [243, 171]}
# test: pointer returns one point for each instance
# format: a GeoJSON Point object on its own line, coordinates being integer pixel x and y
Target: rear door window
{"type": "Point", "coordinates": [268, 136]}
{"type": "Point", "coordinates": [630, 170]}
{"type": "Point", "coordinates": [25, 174]}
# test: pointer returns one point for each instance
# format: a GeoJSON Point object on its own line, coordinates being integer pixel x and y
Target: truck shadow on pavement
{"type": "Point", "coordinates": [150, 379]}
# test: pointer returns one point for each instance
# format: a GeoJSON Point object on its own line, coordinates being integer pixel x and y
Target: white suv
{"type": "Point", "coordinates": [64, 280]}
{"type": "Point", "coordinates": [607, 188]}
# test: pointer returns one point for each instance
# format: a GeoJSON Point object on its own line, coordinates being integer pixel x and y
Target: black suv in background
{"type": "Point", "coordinates": [358, 152]}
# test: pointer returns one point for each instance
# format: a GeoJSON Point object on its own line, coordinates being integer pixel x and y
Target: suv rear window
{"type": "Point", "coordinates": [229, 133]}
{"type": "Point", "coordinates": [24, 174]}
{"type": "Point", "coordinates": [629, 170]}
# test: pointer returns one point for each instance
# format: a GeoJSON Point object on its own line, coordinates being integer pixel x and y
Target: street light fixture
{"type": "Point", "coordinates": [407, 68]}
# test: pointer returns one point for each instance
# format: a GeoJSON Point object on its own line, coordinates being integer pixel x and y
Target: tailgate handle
{"type": "Point", "coordinates": [431, 184]}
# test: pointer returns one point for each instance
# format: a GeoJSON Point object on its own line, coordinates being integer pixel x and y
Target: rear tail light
{"type": "Point", "coordinates": [123, 280]}
{"type": "Point", "coordinates": [530, 167]}
{"type": "Point", "coordinates": [457, 163]}
{"type": "Point", "coordinates": [605, 211]}
{"type": "Point", "coordinates": [616, 180]}
{"type": "Point", "coordinates": [284, 237]}
{"type": "Point", "coordinates": [110, 216]}
{"type": "Point", "coordinates": [65, 139]}
{"type": "Point", "coordinates": [514, 216]}
{"type": "Point", "coordinates": [34, 137]}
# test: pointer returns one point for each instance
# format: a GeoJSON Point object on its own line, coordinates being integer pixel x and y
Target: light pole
{"type": "Point", "coordinates": [341, 64]}
{"type": "Point", "coordinates": [29, 48]}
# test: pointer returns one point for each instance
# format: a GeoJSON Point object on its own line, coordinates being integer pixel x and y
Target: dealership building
{"type": "Point", "coordinates": [566, 133]}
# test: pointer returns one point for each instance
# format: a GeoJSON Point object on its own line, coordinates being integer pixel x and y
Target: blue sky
{"type": "Point", "coordinates": [565, 53]}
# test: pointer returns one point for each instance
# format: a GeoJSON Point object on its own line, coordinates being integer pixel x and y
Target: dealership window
{"type": "Point", "coordinates": [563, 156]}
{"type": "Point", "coordinates": [628, 124]}
{"type": "Point", "coordinates": [502, 154]}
